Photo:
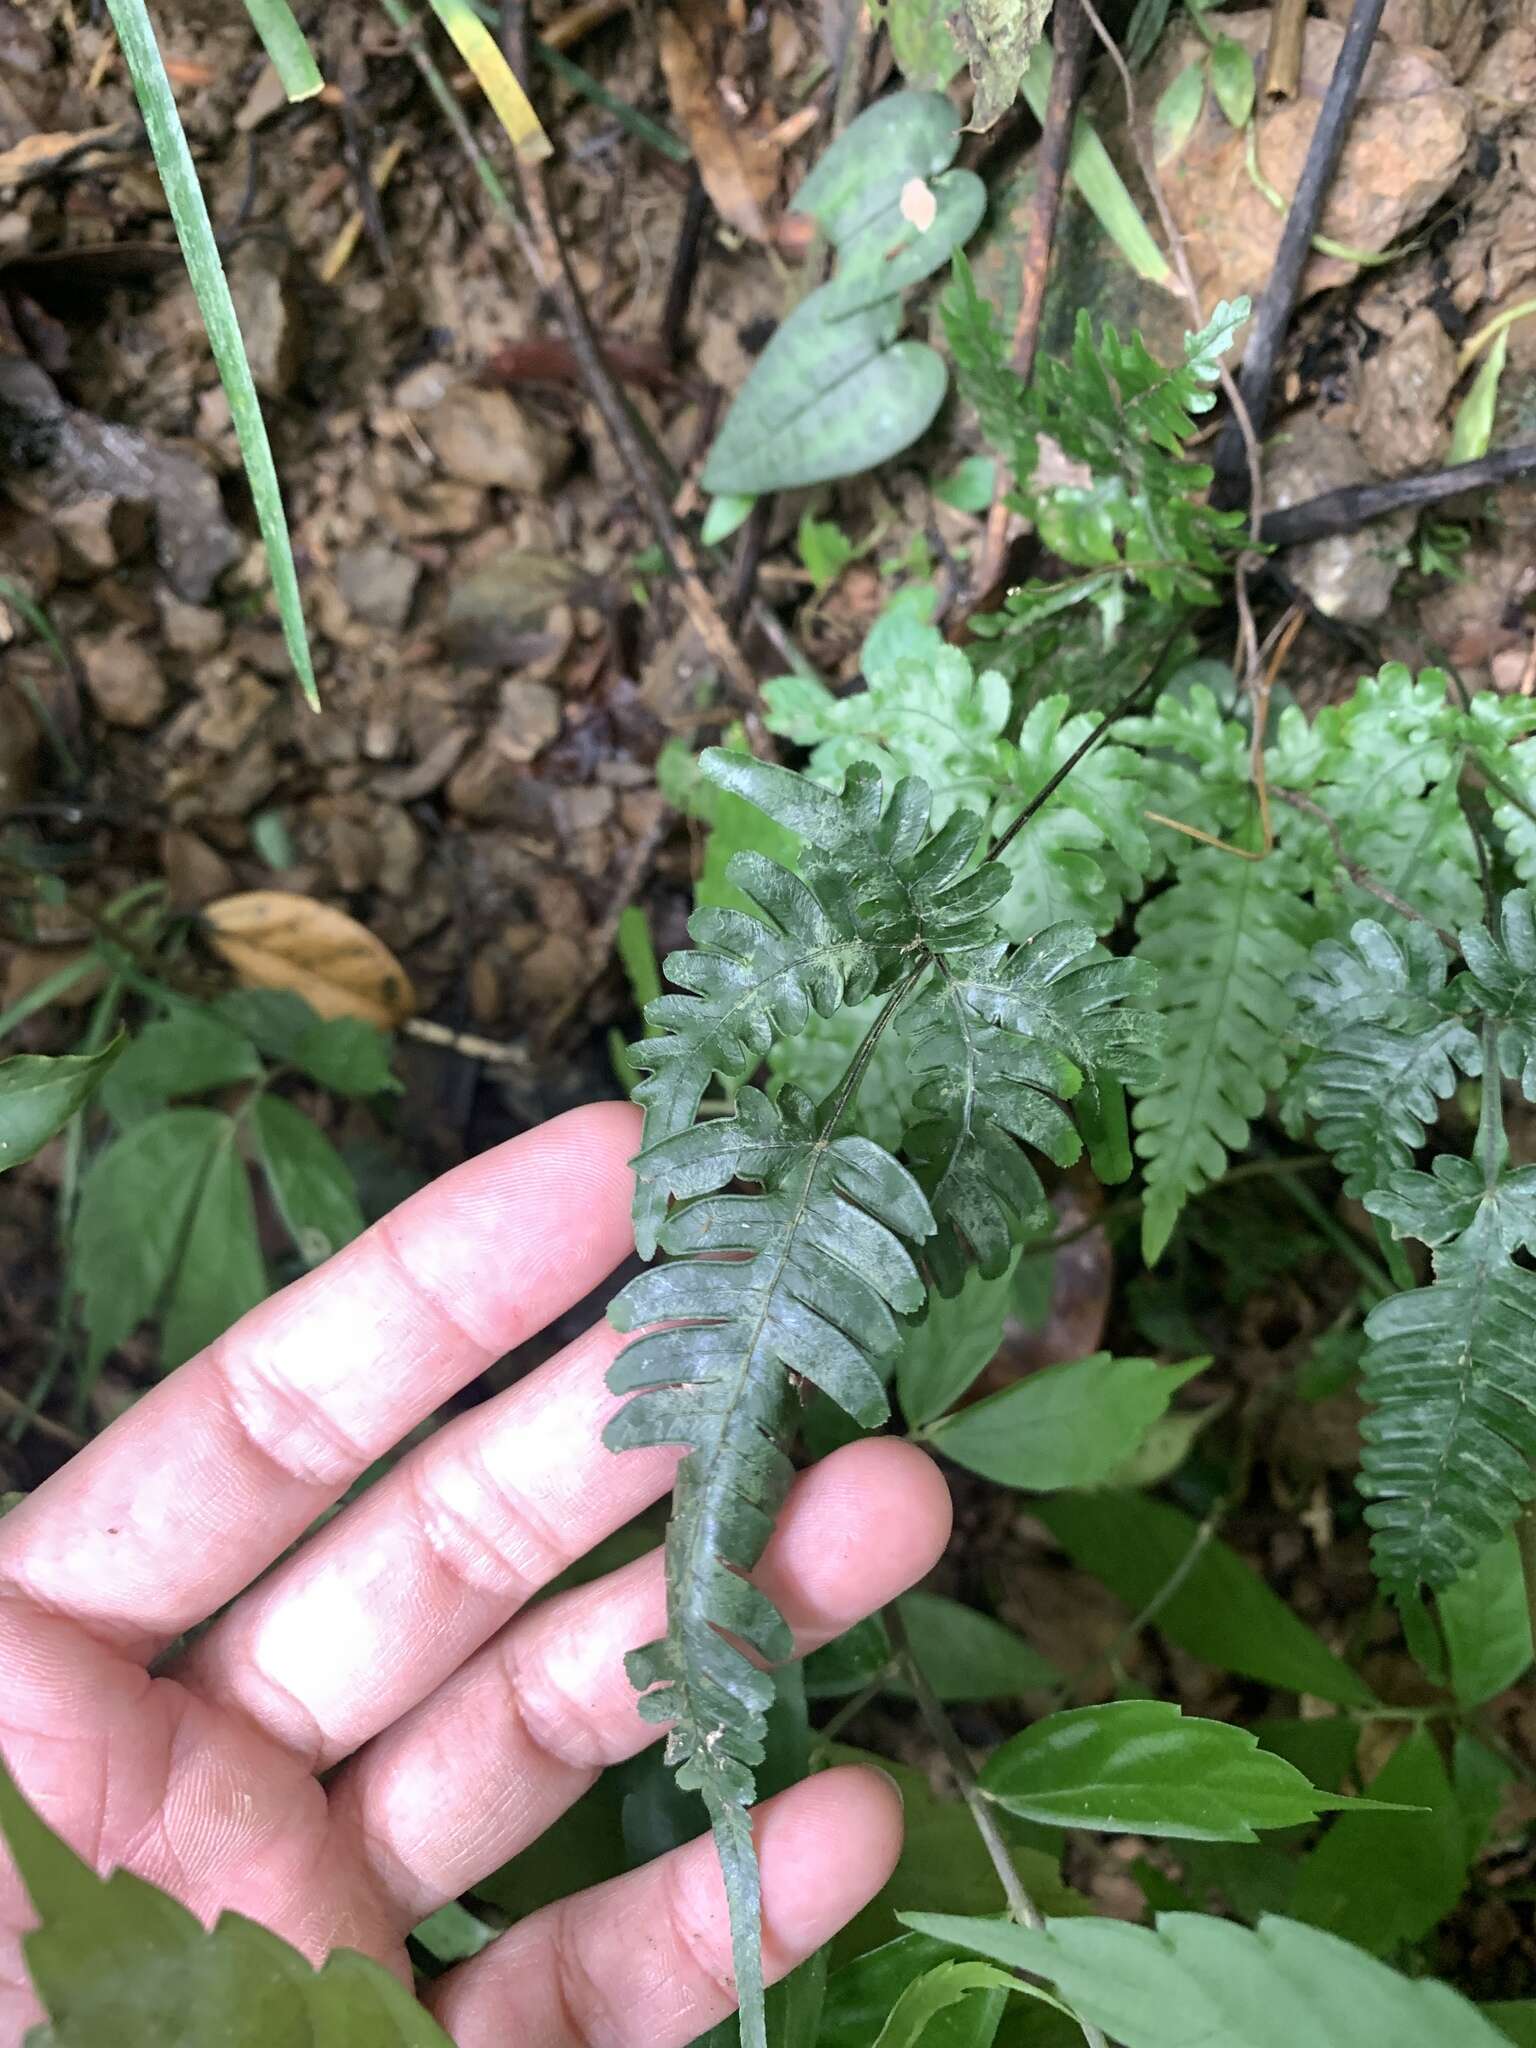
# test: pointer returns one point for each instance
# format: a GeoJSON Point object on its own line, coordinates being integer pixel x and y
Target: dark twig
{"type": "Point", "coordinates": [749, 552]}
{"type": "Point", "coordinates": [1072, 40]}
{"type": "Point", "coordinates": [551, 267]}
{"type": "Point", "coordinates": [1273, 316]}
{"type": "Point", "coordinates": [1353, 505]}
{"type": "Point", "coordinates": [685, 266]}
{"type": "Point", "coordinates": [1127, 704]}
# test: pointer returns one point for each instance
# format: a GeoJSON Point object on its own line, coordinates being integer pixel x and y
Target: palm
{"type": "Point", "coordinates": [390, 1653]}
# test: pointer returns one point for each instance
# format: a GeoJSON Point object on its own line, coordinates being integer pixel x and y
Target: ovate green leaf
{"type": "Point", "coordinates": [118, 1964]}
{"type": "Point", "coordinates": [38, 1096]}
{"type": "Point", "coordinates": [1472, 429]}
{"type": "Point", "coordinates": [1487, 1621]}
{"type": "Point", "coordinates": [221, 1273]}
{"type": "Point", "coordinates": [186, 1053]}
{"type": "Point", "coordinates": [1219, 1609]}
{"type": "Point", "coordinates": [313, 1190]}
{"type": "Point", "coordinates": [1175, 115]}
{"type": "Point", "coordinates": [1145, 1767]}
{"type": "Point", "coordinates": [136, 1201]}
{"type": "Point", "coordinates": [1232, 80]}
{"type": "Point", "coordinates": [952, 1346]}
{"type": "Point", "coordinates": [1198, 1979]}
{"type": "Point", "coordinates": [941, 1988]}
{"type": "Point", "coordinates": [1069, 1426]}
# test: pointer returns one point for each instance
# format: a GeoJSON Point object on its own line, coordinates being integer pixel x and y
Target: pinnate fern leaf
{"type": "Point", "coordinates": [1501, 982]}
{"type": "Point", "coordinates": [1388, 1045]}
{"type": "Point", "coordinates": [1224, 939]}
{"type": "Point", "coordinates": [1449, 1375]}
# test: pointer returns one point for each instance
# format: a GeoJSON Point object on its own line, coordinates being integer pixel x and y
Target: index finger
{"type": "Point", "coordinates": [181, 1503]}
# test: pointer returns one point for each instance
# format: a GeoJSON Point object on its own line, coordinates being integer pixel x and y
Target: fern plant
{"type": "Point", "coordinates": [807, 1277]}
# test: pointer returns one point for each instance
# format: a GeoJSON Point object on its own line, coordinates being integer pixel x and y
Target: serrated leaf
{"type": "Point", "coordinates": [136, 1201]}
{"type": "Point", "coordinates": [221, 1273]}
{"type": "Point", "coordinates": [342, 1053]}
{"type": "Point", "coordinates": [1502, 982]}
{"type": "Point", "coordinates": [1232, 80]}
{"type": "Point", "coordinates": [116, 1961]}
{"type": "Point", "coordinates": [1219, 1608]}
{"type": "Point", "coordinates": [1071, 1425]}
{"type": "Point", "coordinates": [1145, 1767]}
{"type": "Point", "coordinates": [313, 1190]}
{"type": "Point", "coordinates": [1195, 1978]}
{"type": "Point", "coordinates": [862, 1995]}
{"type": "Point", "coordinates": [1383, 1880]}
{"type": "Point", "coordinates": [188, 1052]}
{"type": "Point", "coordinates": [1486, 1617]}
{"type": "Point", "coordinates": [39, 1095]}
{"type": "Point", "coordinates": [964, 1654]}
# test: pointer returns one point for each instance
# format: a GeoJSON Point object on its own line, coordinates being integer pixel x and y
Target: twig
{"type": "Point", "coordinates": [685, 266]}
{"type": "Point", "coordinates": [1282, 60]}
{"type": "Point", "coordinates": [1273, 315]}
{"type": "Point", "coordinates": [1343, 510]}
{"type": "Point", "coordinates": [1043, 795]}
{"type": "Point", "coordinates": [58, 1432]}
{"type": "Point", "coordinates": [1361, 877]}
{"type": "Point", "coordinates": [1021, 1907]}
{"type": "Point", "coordinates": [1071, 63]}
{"type": "Point", "coordinates": [468, 1044]}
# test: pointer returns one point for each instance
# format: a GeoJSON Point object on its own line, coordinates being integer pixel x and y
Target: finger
{"type": "Point", "coordinates": [497, 1754]}
{"type": "Point", "coordinates": [408, 1581]}
{"type": "Point", "coordinates": [644, 1962]}
{"type": "Point", "coordinates": [182, 1502]}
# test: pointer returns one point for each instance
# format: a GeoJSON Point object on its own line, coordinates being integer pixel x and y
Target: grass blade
{"type": "Point", "coordinates": [482, 53]}
{"type": "Point", "coordinates": [194, 231]}
{"type": "Point", "coordinates": [284, 42]}
{"type": "Point", "coordinates": [1093, 171]}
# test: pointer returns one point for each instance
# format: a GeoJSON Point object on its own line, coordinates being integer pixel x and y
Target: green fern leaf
{"type": "Point", "coordinates": [1387, 1047]}
{"type": "Point", "coordinates": [820, 1265]}
{"type": "Point", "coordinates": [999, 1041]}
{"type": "Point", "coordinates": [1447, 1372]}
{"type": "Point", "coordinates": [1502, 983]}
{"type": "Point", "coordinates": [1224, 938]}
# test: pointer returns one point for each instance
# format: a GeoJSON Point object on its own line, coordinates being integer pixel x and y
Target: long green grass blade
{"type": "Point", "coordinates": [284, 42]}
{"type": "Point", "coordinates": [1095, 176]}
{"type": "Point", "coordinates": [194, 231]}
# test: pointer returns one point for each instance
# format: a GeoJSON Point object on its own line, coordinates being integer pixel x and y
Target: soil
{"type": "Point", "coordinates": [501, 659]}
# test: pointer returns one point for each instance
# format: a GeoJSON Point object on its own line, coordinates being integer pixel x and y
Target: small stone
{"type": "Point", "coordinates": [485, 986]}
{"type": "Point", "coordinates": [378, 584]}
{"type": "Point", "coordinates": [234, 710]}
{"type": "Point", "coordinates": [1348, 575]}
{"type": "Point", "coordinates": [124, 680]}
{"type": "Point", "coordinates": [585, 807]}
{"type": "Point", "coordinates": [438, 508]}
{"type": "Point", "coordinates": [401, 850]}
{"type": "Point", "coordinates": [550, 971]}
{"type": "Point", "coordinates": [98, 532]}
{"type": "Point", "coordinates": [488, 789]}
{"type": "Point", "coordinates": [1506, 71]}
{"type": "Point", "coordinates": [1403, 394]}
{"type": "Point", "coordinates": [195, 874]}
{"type": "Point", "coordinates": [527, 719]}
{"type": "Point", "coordinates": [271, 321]}
{"type": "Point", "coordinates": [195, 629]}
{"type": "Point", "coordinates": [424, 387]}
{"type": "Point", "coordinates": [486, 437]}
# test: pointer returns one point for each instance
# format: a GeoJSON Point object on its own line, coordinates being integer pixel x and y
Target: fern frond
{"type": "Point", "coordinates": [1452, 1429]}
{"type": "Point", "coordinates": [1000, 1040]}
{"type": "Point", "coordinates": [801, 1277]}
{"type": "Point", "coordinates": [1501, 982]}
{"type": "Point", "coordinates": [1224, 939]}
{"type": "Point", "coordinates": [1387, 1046]}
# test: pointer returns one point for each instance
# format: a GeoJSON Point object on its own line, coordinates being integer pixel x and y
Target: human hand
{"type": "Point", "coordinates": [390, 1651]}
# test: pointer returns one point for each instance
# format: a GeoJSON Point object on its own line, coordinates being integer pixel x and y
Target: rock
{"type": "Point", "coordinates": [527, 719]}
{"type": "Point", "coordinates": [1506, 71]}
{"type": "Point", "coordinates": [98, 533]}
{"type": "Point", "coordinates": [233, 711]}
{"type": "Point", "coordinates": [124, 680]}
{"type": "Point", "coordinates": [1454, 27]}
{"type": "Point", "coordinates": [1404, 148]}
{"type": "Point", "coordinates": [1404, 391]}
{"type": "Point", "coordinates": [401, 850]}
{"type": "Point", "coordinates": [421, 778]}
{"type": "Point", "coordinates": [434, 509]}
{"type": "Point", "coordinates": [509, 612]}
{"type": "Point", "coordinates": [487, 789]}
{"type": "Point", "coordinates": [547, 974]}
{"type": "Point", "coordinates": [271, 319]}
{"type": "Point", "coordinates": [486, 437]}
{"type": "Point", "coordinates": [1348, 575]}
{"type": "Point", "coordinates": [195, 629]}
{"type": "Point", "coordinates": [378, 584]}
{"type": "Point", "coordinates": [195, 874]}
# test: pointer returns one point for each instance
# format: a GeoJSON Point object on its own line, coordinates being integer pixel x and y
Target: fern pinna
{"type": "Point", "coordinates": [805, 1278]}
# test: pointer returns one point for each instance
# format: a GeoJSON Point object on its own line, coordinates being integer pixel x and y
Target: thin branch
{"type": "Point", "coordinates": [685, 266]}
{"type": "Point", "coordinates": [1261, 353]}
{"type": "Point", "coordinates": [1067, 74]}
{"type": "Point", "coordinates": [1021, 1907]}
{"type": "Point", "coordinates": [1127, 704]}
{"type": "Point", "coordinates": [1343, 510]}
{"type": "Point", "coordinates": [23, 1411]}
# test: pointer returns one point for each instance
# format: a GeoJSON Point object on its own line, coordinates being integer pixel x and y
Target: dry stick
{"type": "Point", "coordinates": [1021, 1907]}
{"type": "Point", "coordinates": [1072, 38]}
{"type": "Point", "coordinates": [1343, 510]}
{"type": "Point", "coordinates": [685, 265]}
{"type": "Point", "coordinates": [1273, 316]}
{"type": "Point", "coordinates": [551, 267]}
{"type": "Point", "coordinates": [1282, 60]}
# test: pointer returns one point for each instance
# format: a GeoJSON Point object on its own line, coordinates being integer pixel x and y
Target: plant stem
{"type": "Point", "coordinates": [1344, 510]}
{"type": "Point", "coordinates": [1021, 1907]}
{"type": "Point", "coordinates": [855, 1071]}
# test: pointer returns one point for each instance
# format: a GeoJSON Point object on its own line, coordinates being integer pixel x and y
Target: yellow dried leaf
{"type": "Point", "coordinates": [273, 940]}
